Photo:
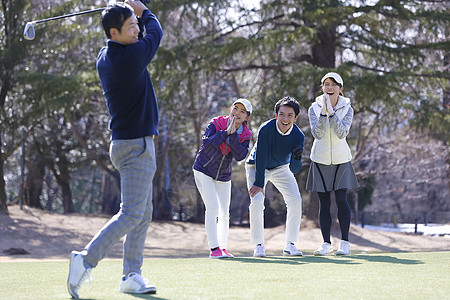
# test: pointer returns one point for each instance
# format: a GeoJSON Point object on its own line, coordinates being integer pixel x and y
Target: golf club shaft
{"type": "Point", "coordinates": [69, 15]}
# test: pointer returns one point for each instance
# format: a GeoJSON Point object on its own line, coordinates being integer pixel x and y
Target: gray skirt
{"type": "Point", "coordinates": [326, 178]}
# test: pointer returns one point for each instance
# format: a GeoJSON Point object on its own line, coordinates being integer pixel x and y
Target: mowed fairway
{"type": "Point", "coordinates": [423, 275]}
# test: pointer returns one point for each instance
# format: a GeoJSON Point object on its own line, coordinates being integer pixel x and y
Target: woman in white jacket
{"type": "Point", "coordinates": [330, 117]}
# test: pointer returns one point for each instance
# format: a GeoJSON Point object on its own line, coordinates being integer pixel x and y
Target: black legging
{"type": "Point", "coordinates": [343, 214]}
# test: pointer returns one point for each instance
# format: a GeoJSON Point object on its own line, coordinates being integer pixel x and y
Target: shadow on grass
{"type": "Point", "coordinates": [340, 260]}
{"type": "Point", "coordinates": [388, 259]}
{"type": "Point", "coordinates": [147, 296]}
{"type": "Point", "coordinates": [297, 260]}
{"type": "Point", "coordinates": [141, 296]}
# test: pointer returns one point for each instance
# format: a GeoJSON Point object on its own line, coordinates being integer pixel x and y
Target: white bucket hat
{"type": "Point", "coordinates": [246, 103]}
{"type": "Point", "coordinates": [335, 76]}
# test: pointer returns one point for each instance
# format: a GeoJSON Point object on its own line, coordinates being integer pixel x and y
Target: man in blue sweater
{"type": "Point", "coordinates": [131, 101]}
{"type": "Point", "coordinates": [276, 157]}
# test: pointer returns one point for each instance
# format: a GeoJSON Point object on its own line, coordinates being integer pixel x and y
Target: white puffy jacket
{"type": "Point", "coordinates": [330, 145]}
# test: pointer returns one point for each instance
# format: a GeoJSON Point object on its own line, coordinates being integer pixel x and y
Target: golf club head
{"type": "Point", "coordinates": [29, 33]}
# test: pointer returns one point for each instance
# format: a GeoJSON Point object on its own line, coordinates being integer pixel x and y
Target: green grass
{"type": "Point", "coordinates": [371, 276]}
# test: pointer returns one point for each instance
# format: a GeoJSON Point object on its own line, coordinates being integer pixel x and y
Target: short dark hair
{"type": "Point", "coordinates": [288, 101]}
{"type": "Point", "coordinates": [114, 16]}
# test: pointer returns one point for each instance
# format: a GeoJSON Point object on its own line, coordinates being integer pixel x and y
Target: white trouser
{"type": "Point", "coordinates": [216, 195]}
{"type": "Point", "coordinates": [285, 182]}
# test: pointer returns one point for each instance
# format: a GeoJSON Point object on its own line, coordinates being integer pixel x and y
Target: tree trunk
{"type": "Point", "coordinates": [448, 171]}
{"type": "Point", "coordinates": [110, 195]}
{"type": "Point", "coordinates": [446, 103]}
{"type": "Point", "coordinates": [324, 50]}
{"type": "Point", "coordinates": [63, 180]}
{"type": "Point", "coordinates": [163, 209]}
{"type": "Point", "coordinates": [3, 207]}
{"type": "Point", "coordinates": [67, 197]}
{"type": "Point", "coordinates": [446, 100]}
{"type": "Point", "coordinates": [33, 184]}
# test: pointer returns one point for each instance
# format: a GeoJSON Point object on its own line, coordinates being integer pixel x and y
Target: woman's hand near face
{"type": "Point", "coordinates": [232, 126]}
{"type": "Point", "coordinates": [330, 109]}
{"type": "Point", "coordinates": [324, 106]}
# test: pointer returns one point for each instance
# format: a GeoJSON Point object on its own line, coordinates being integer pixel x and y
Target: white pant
{"type": "Point", "coordinates": [283, 179]}
{"type": "Point", "coordinates": [216, 195]}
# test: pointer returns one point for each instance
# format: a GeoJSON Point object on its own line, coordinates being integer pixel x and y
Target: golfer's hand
{"type": "Point", "coordinates": [255, 190]}
{"type": "Point", "coordinates": [137, 6]}
{"type": "Point", "coordinates": [232, 127]}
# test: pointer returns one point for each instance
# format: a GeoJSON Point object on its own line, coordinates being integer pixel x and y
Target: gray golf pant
{"type": "Point", "coordinates": [136, 162]}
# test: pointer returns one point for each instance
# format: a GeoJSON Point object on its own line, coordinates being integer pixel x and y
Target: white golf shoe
{"type": "Point", "coordinates": [78, 273]}
{"type": "Point", "coordinates": [259, 251]}
{"type": "Point", "coordinates": [135, 283]}
{"type": "Point", "coordinates": [344, 248]}
{"type": "Point", "coordinates": [291, 250]}
{"type": "Point", "coordinates": [325, 249]}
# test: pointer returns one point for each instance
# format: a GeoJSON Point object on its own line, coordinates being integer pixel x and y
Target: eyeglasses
{"type": "Point", "coordinates": [331, 85]}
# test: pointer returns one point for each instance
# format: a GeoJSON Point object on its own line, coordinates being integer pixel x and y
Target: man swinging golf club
{"type": "Point", "coordinates": [131, 101]}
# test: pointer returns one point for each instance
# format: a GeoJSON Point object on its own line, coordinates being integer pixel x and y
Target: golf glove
{"type": "Point", "coordinates": [297, 152]}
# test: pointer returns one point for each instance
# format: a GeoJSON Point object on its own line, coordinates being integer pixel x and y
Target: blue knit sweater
{"type": "Point", "coordinates": [273, 150]}
{"type": "Point", "coordinates": [130, 95]}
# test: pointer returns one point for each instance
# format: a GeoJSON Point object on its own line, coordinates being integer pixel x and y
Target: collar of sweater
{"type": "Point", "coordinates": [280, 132]}
{"type": "Point", "coordinates": [113, 42]}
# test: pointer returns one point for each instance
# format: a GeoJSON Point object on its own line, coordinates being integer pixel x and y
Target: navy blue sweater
{"type": "Point", "coordinates": [130, 95]}
{"type": "Point", "coordinates": [273, 150]}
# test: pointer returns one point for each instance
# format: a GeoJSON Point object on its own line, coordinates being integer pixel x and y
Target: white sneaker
{"type": "Point", "coordinates": [77, 274]}
{"type": "Point", "coordinates": [291, 250]}
{"type": "Point", "coordinates": [134, 283]}
{"type": "Point", "coordinates": [325, 249]}
{"type": "Point", "coordinates": [344, 248]}
{"type": "Point", "coordinates": [259, 251]}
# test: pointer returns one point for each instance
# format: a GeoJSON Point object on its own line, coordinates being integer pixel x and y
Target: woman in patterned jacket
{"type": "Point", "coordinates": [225, 138]}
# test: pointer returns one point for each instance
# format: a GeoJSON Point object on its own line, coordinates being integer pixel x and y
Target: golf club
{"type": "Point", "coordinates": [29, 32]}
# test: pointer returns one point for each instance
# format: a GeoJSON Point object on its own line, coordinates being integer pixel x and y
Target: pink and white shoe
{"type": "Point", "coordinates": [227, 254]}
{"type": "Point", "coordinates": [218, 253]}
